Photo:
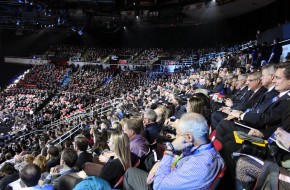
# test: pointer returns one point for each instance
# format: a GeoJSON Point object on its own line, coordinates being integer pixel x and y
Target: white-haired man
{"type": "Point", "coordinates": [195, 168]}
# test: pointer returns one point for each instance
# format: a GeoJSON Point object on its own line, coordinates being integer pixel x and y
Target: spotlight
{"type": "Point", "coordinates": [80, 32]}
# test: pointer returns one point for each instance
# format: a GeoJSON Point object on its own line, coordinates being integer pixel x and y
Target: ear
{"type": "Point", "coordinates": [132, 132]}
{"type": "Point", "coordinates": [272, 77]}
{"type": "Point", "coordinates": [188, 137]}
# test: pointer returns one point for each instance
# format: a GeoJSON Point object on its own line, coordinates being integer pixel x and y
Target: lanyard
{"type": "Point", "coordinates": [194, 152]}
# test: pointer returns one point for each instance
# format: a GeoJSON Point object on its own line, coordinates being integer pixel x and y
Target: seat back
{"type": "Point", "coordinates": [212, 135]}
{"type": "Point", "coordinates": [216, 143]}
{"type": "Point", "coordinates": [119, 183]}
{"type": "Point", "coordinates": [137, 163]}
{"type": "Point", "coordinates": [217, 179]}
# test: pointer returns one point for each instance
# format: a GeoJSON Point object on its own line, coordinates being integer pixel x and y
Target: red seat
{"type": "Point", "coordinates": [137, 163]}
{"type": "Point", "coordinates": [218, 179]}
{"type": "Point", "coordinates": [212, 135]}
{"type": "Point", "coordinates": [119, 183]}
{"type": "Point", "coordinates": [216, 143]}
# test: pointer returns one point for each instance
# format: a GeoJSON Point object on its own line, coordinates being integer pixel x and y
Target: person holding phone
{"type": "Point", "coordinates": [190, 161]}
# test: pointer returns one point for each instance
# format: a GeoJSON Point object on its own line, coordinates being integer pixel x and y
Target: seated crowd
{"type": "Point", "coordinates": [159, 136]}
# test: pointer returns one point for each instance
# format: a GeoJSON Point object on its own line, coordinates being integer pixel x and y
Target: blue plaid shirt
{"type": "Point", "coordinates": [195, 171]}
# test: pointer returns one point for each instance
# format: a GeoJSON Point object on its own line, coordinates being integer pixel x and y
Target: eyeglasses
{"type": "Point", "coordinates": [180, 135]}
{"type": "Point", "coordinates": [252, 80]}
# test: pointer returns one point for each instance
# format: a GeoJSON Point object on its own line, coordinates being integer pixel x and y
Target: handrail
{"type": "Point", "coordinates": [71, 117]}
{"type": "Point", "coordinates": [23, 136]}
{"type": "Point", "coordinates": [89, 112]}
{"type": "Point", "coordinates": [66, 135]}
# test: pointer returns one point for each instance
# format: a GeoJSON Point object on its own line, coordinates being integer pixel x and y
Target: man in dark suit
{"type": "Point", "coordinates": [230, 145]}
{"type": "Point", "coordinates": [267, 113]}
{"type": "Point", "coordinates": [151, 127]}
{"type": "Point", "coordinates": [53, 156]}
{"type": "Point", "coordinates": [219, 86]}
{"type": "Point", "coordinates": [81, 145]}
{"type": "Point", "coordinates": [68, 159]}
{"type": "Point", "coordinates": [238, 97]}
{"type": "Point", "coordinates": [255, 85]}
{"type": "Point", "coordinates": [176, 100]}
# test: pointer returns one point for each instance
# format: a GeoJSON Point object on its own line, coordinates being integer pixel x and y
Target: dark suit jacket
{"type": "Point", "coordinates": [271, 116]}
{"type": "Point", "coordinates": [243, 97]}
{"type": "Point", "coordinates": [263, 103]}
{"type": "Point", "coordinates": [218, 87]}
{"type": "Point", "coordinates": [252, 100]}
{"type": "Point", "coordinates": [209, 87]}
{"type": "Point", "coordinates": [83, 157]}
{"type": "Point", "coordinates": [286, 115]}
{"type": "Point", "coordinates": [177, 108]}
{"type": "Point", "coordinates": [151, 132]}
{"type": "Point", "coordinates": [52, 163]}
{"type": "Point", "coordinates": [285, 123]}
{"type": "Point", "coordinates": [180, 112]}
{"type": "Point", "coordinates": [236, 98]}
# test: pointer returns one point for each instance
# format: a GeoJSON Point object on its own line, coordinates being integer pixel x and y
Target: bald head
{"type": "Point", "coordinates": [196, 125]}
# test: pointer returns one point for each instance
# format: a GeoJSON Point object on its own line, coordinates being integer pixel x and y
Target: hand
{"type": "Point", "coordinates": [256, 133]}
{"type": "Point", "coordinates": [235, 113]}
{"type": "Point", "coordinates": [180, 143]}
{"type": "Point", "coordinates": [230, 117]}
{"type": "Point", "coordinates": [54, 171]}
{"type": "Point", "coordinates": [283, 137]}
{"type": "Point", "coordinates": [152, 173]}
{"type": "Point", "coordinates": [225, 110]}
{"type": "Point", "coordinates": [228, 102]}
{"type": "Point", "coordinates": [104, 158]}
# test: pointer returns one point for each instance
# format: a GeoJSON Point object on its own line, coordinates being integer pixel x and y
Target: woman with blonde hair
{"type": "Point", "coordinates": [117, 165]}
{"type": "Point", "coordinates": [41, 162]}
{"type": "Point", "coordinates": [117, 125]}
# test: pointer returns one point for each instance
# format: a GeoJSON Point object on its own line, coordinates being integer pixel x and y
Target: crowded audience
{"type": "Point", "coordinates": [158, 134]}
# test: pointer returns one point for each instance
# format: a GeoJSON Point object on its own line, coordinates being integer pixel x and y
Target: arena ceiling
{"type": "Point", "coordinates": [76, 15]}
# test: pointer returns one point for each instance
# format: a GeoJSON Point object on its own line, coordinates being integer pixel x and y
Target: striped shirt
{"type": "Point", "coordinates": [195, 171]}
